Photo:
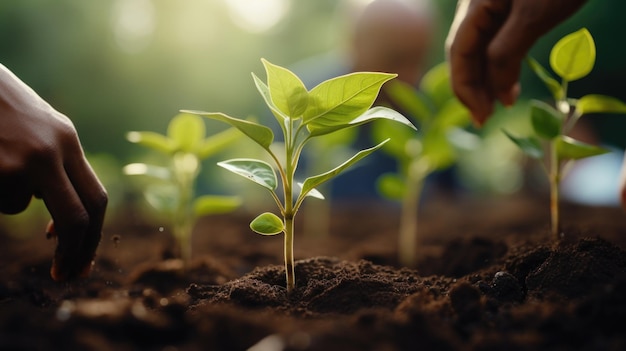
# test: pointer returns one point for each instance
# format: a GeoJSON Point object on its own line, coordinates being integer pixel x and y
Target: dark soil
{"type": "Point", "coordinates": [488, 278]}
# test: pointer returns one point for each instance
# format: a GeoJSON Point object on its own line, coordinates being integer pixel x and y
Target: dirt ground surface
{"type": "Point", "coordinates": [488, 278]}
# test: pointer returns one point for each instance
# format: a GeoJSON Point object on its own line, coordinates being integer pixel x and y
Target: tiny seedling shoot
{"type": "Point", "coordinates": [571, 58]}
{"type": "Point", "coordinates": [440, 118]}
{"type": "Point", "coordinates": [333, 105]}
{"type": "Point", "coordinates": [185, 145]}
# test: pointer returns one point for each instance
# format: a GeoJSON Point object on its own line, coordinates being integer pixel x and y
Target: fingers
{"type": "Point", "coordinates": [469, 41]}
{"type": "Point", "coordinates": [77, 201]}
{"type": "Point", "coordinates": [94, 199]}
{"type": "Point", "coordinates": [70, 222]}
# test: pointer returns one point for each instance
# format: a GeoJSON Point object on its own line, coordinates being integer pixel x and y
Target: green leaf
{"type": "Point", "coordinates": [391, 186]}
{"type": "Point", "coordinates": [574, 55]}
{"type": "Point", "coordinates": [529, 145]}
{"type": "Point", "coordinates": [546, 120]}
{"type": "Point", "coordinates": [599, 104]}
{"type": "Point", "coordinates": [436, 84]}
{"type": "Point", "coordinates": [313, 193]}
{"type": "Point", "coordinates": [378, 112]}
{"type": "Point", "coordinates": [265, 93]}
{"type": "Point", "coordinates": [339, 100]}
{"type": "Point", "coordinates": [286, 90]}
{"type": "Point", "coordinates": [157, 172]}
{"type": "Point", "coordinates": [255, 170]}
{"type": "Point", "coordinates": [571, 149]}
{"type": "Point", "coordinates": [315, 181]}
{"type": "Point", "coordinates": [259, 133]}
{"type": "Point", "coordinates": [267, 224]}
{"type": "Point", "coordinates": [552, 84]}
{"type": "Point", "coordinates": [212, 204]}
{"type": "Point", "coordinates": [413, 102]}
{"type": "Point", "coordinates": [217, 142]}
{"type": "Point", "coordinates": [153, 141]}
{"type": "Point", "coordinates": [187, 131]}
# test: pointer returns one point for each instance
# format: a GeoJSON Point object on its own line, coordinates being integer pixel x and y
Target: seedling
{"type": "Point", "coordinates": [185, 145]}
{"type": "Point", "coordinates": [571, 58]}
{"type": "Point", "coordinates": [333, 105]}
{"type": "Point", "coordinates": [439, 116]}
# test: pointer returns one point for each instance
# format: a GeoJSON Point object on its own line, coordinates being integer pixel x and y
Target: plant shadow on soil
{"type": "Point", "coordinates": [488, 279]}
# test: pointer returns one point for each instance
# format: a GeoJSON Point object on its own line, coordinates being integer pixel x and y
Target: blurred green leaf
{"type": "Point", "coordinates": [148, 170]}
{"type": "Point", "coordinates": [451, 114]}
{"type": "Point", "coordinates": [267, 224]}
{"type": "Point", "coordinates": [217, 142]}
{"type": "Point", "coordinates": [545, 119]}
{"type": "Point", "coordinates": [408, 99]}
{"type": "Point", "coordinates": [436, 84]}
{"type": "Point", "coordinates": [571, 149]}
{"type": "Point", "coordinates": [552, 84]}
{"type": "Point", "coordinates": [398, 136]}
{"type": "Point", "coordinates": [255, 170]}
{"type": "Point", "coordinates": [529, 145]}
{"type": "Point", "coordinates": [163, 197]}
{"type": "Point", "coordinates": [259, 133]}
{"type": "Point", "coordinates": [152, 140]}
{"type": "Point", "coordinates": [437, 152]}
{"type": "Point", "coordinates": [339, 100]}
{"type": "Point", "coordinates": [391, 186]}
{"type": "Point", "coordinates": [315, 181]}
{"type": "Point", "coordinates": [187, 131]}
{"type": "Point", "coordinates": [286, 90]}
{"type": "Point", "coordinates": [574, 55]}
{"type": "Point", "coordinates": [212, 204]}
{"type": "Point", "coordinates": [599, 104]}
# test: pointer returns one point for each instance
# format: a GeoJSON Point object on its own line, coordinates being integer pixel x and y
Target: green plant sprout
{"type": "Point", "coordinates": [440, 118]}
{"type": "Point", "coordinates": [185, 145]}
{"type": "Point", "coordinates": [571, 58]}
{"type": "Point", "coordinates": [333, 105]}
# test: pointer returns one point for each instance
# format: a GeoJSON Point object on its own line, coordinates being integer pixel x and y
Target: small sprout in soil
{"type": "Point", "coordinates": [441, 119]}
{"type": "Point", "coordinates": [571, 58]}
{"type": "Point", "coordinates": [185, 145]}
{"type": "Point", "coordinates": [334, 105]}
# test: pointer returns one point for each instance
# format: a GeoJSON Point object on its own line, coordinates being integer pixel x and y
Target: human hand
{"type": "Point", "coordinates": [41, 155]}
{"type": "Point", "coordinates": [487, 42]}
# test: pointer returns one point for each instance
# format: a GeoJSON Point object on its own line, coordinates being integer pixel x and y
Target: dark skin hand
{"type": "Point", "coordinates": [41, 155]}
{"type": "Point", "coordinates": [487, 43]}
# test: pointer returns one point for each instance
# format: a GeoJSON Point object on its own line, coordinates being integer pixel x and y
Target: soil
{"type": "Point", "coordinates": [488, 278]}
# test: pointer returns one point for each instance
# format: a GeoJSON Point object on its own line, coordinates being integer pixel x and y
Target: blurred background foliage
{"type": "Point", "coordinates": [120, 65]}
{"type": "Point", "coordinates": [114, 66]}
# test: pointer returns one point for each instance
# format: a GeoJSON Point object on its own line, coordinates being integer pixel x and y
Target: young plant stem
{"type": "Point", "coordinates": [408, 223]}
{"type": "Point", "coordinates": [186, 168]}
{"type": "Point", "coordinates": [555, 179]}
{"type": "Point", "coordinates": [289, 261]}
{"type": "Point", "coordinates": [290, 212]}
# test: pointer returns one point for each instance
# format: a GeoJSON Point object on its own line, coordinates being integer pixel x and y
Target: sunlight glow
{"type": "Point", "coordinates": [133, 23]}
{"type": "Point", "coordinates": [257, 16]}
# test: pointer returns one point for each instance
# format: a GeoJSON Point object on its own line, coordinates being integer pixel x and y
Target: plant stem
{"type": "Point", "coordinates": [554, 192]}
{"type": "Point", "coordinates": [407, 238]}
{"type": "Point", "coordinates": [289, 261]}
